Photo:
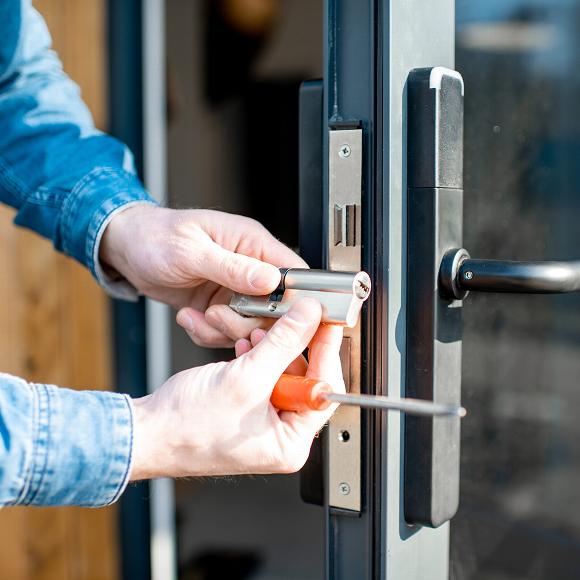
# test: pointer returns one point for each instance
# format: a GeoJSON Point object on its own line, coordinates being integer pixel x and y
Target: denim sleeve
{"type": "Point", "coordinates": [62, 447]}
{"type": "Point", "coordinates": [65, 178]}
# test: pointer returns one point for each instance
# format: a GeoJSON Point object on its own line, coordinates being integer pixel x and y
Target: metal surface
{"type": "Point", "coordinates": [449, 272]}
{"type": "Point", "coordinates": [415, 34]}
{"type": "Point", "coordinates": [519, 277]}
{"type": "Point", "coordinates": [341, 295]}
{"type": "Point", "coordinates": [345, 224]}
{"type": "Point", "coordinates": [352, 283]}
{"type": "Point", "coordinates": [129, 350]}
{"type": "Point", "coordinates": [349, 93]}
{"type": "Point", "coordinates": [312, 240]}
{"type": "Point", "coordinates": [311, 236]}
{"type": "Point", "coordinates": [344, 253]}
{"type": "Point", "coordinates": [370, 47]}
{"type": "Point", "coordinates": [434, 325]}
{"type": "Point", "coordinates": [345, 187]}
{"type": "Point", "coordinates": [162, 502]}
{"type": "Point", "coordinates": [460, 274]}
{"type": "Point", "coordinates": [409, 406]}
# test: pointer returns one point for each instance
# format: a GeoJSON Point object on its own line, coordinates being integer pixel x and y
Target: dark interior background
{"type": "Point", "coordinates": [234, 72]}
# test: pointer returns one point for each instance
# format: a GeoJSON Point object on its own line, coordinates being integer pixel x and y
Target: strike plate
{"type": "Point", "coordinates": [344, 253]}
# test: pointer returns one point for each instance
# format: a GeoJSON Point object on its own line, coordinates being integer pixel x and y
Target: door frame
{"type": "Point", "coordinates": [163, 539]}
{"type": "Point", "coordinates": [370, 48]}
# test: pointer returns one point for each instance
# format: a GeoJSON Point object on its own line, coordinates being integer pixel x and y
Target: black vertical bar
{"type": "Point", "coordinates": [311, 235]}
{"type": "Point", "coordinates": [352, 93]}
{"type": "Point", "coordinates": [311, 239]}
{"type": "Point", "coordinates": [125, 122]}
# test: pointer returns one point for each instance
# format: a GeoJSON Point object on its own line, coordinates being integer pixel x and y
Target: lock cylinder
{"type": "Point", "coordinates": [341, 295]}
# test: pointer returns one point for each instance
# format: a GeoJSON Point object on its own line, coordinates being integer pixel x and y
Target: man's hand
{"type": "Point", "coordinates": [218, 419]}
{"type": "Point", "coordinates": [192, 259]}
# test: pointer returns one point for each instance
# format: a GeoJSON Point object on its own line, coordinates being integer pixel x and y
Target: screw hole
{"type": "Point", "coordinates": [343, 436]}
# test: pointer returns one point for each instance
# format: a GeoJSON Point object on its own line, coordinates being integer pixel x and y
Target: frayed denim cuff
{"type": "Point", "coordinates": [86, 212]}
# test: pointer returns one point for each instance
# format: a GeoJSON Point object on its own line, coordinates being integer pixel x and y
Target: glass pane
{"type": "Point", "coordinates": [519, 515]}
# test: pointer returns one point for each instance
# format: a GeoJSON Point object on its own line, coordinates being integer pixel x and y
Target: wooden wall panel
{"type": "Point", "coordinates": [54, 328]}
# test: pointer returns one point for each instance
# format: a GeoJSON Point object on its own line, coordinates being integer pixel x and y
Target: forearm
{"type": "Point", "coordinates": [62, 447]}
{"type": "Point", "coordinates": [64, 177]}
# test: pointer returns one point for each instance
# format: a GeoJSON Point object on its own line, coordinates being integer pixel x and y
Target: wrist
{"type": "Point", "coordinates": [116, 238]}
{"type": "Point", "coordinates": [148, 459]}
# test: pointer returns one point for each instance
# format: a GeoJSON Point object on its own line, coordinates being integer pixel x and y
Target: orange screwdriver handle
{"type": "Point", "coordinates": [293, 393]}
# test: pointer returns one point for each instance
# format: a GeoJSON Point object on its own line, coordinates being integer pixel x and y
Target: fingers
{"type": "Point", "coordinates": [324, 356]}
{"type": "Point", "coordinates": [324, 363]}
{"type": "Point", "coordinates": [220, 326]}
{"type": "Point", "coordinates": [284, 342]}
{"type": "Point", "coordinates": [240, 273]}
{"type": "Point", "coordinates": [242, 346]}
{"type": "Point", "coordinates": [297, 367]}
{"type": "Point", "coordinates": [243, 255]}
{"type": "Point", "coordinates": [275, 252]}
{"type": "Point", "coordinates": [248, 237]}
{"type": "Point", "coordinates": [231, 324]}
{"type": "Point", "coordinates": [200, 332]}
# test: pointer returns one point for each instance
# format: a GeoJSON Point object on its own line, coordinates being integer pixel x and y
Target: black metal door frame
{"type": "Point", "coordinates": [370, 47]}
{"type": "Point", "coordinates": [129, 326]}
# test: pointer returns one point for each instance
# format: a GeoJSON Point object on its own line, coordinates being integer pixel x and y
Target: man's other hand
{"type": "Point", "coordinates": [218, 419]}
{"type": "Point", "coordinates": [192, 260]}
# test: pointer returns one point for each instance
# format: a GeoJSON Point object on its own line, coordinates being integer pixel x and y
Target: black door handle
{"type": "Point", "coordinates": [433, 338]}
{"type": "Point", "coordinates": [439, 276]}
{"type": "Point", "coordinates": [460, 274]}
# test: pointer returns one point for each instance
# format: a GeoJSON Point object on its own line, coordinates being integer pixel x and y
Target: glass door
{"type": "Point", "coordinates": [520, 450]}
{"type": "Point", "coordinates": [520, 472]}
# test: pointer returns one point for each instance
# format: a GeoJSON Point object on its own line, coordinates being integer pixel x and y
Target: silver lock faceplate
{"type": "Point", "coordinates": [345, 147]}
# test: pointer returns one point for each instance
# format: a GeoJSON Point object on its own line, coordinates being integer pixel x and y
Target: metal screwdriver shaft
{"type": "Point", "coordinates": [409, 406]}
{"type": "Point", "coordinates": [293, 393]}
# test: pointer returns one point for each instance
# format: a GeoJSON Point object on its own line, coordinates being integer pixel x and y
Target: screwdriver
{"type": "Point", "coordinates": [294, 393]}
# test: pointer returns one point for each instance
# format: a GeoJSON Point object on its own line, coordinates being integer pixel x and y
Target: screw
{"type": "Point", "coordinates": [272, 306]}
{"type": "Point", "coordinates": [343, 436]}
{"type": "Point", "coordinates": [468, 275]}
{"type": "Point", "coordinates": [344, 151]}
{"type": "Point", "coordinates": [344, 488]}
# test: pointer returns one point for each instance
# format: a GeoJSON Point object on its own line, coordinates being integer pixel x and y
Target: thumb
{"type": "Point", "coordinates": [240, 273]}
{"type": "Point", "coordinates": [284, 342]}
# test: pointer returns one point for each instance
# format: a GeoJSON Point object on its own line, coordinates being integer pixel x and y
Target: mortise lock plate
{"type": "Point", "coordinates": [342, 290]}
{"type": "Point", "coordinates": [344, 211]}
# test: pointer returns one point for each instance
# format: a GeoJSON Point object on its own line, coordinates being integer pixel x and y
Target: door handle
{"type": "Point", "coordinates": [440, 273]}
{"type": "Point", "coordinates": [460, 274]}
{"type": "Point", "coordinates": [433, 337]}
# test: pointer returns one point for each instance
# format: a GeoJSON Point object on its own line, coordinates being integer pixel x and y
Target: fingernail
{"type": "Point", "coordinates": [262, 279]}
{"type": "Point", "coordinates": [185, 321]}
{"type": "Point", "coordinates": [257, 335]}
{"type": "Point", "coordinates": [211, 315]}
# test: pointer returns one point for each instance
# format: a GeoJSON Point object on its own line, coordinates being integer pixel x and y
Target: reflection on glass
{"type": "Point", "coordinates": [520, 504]}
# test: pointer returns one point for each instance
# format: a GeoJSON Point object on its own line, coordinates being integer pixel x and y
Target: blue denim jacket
{"type": "Point", "coordinates": [66, 180]}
